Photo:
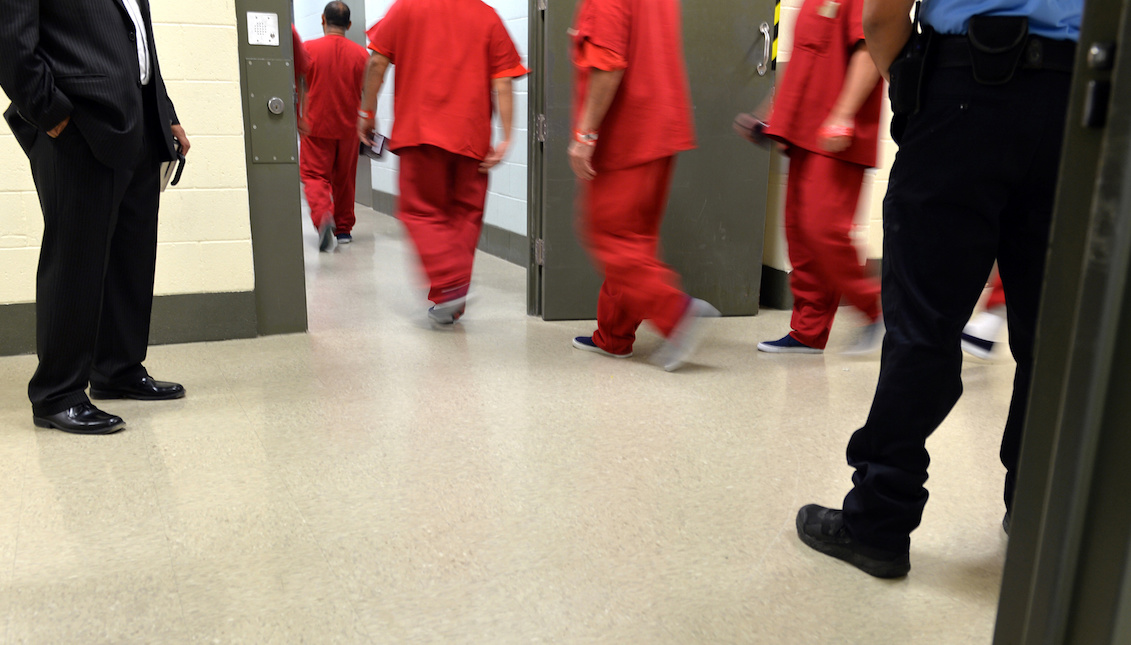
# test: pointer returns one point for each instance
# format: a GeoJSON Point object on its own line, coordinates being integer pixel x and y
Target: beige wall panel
{"type": "Point", "coordinates": [190, 215]}
{"type": "Point", "coordinates": [181, 266]}
{"type": "Point", "coordinates": [204, 235]}
{"type": "Point", "coordinates": [18, 266]}
{"type": "Point", "coordinates": [216, 105]}
{"type": "Point", "coordinates": [201, 12]}
{"type": "Point", "coordinates": [15, 172]}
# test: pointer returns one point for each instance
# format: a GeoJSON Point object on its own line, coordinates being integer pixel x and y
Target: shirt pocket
{"type": "Point", "coordinates": [816, 25]}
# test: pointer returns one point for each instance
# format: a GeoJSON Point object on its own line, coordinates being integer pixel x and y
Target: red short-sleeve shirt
{"type": "Point", "coordinates": [334, 82]}
{"type": "Point", "coordinates": [650, 118]}
{"type": "Point", "coordinates": [302, 60]}
{"type": "Point", "coordinates": [826, 34]}
{"type": "Point", "coordinates": [445, 54]}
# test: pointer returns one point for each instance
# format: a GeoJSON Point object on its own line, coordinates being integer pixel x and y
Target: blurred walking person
{"type": "Point", "coordinates": [335, 68]}
{"type": "Point", "coordinates": [632, 116]}
{"type": "Point", "coordinates": [826, 112]}
{"type": "Point", "coordinates": [451, 57]}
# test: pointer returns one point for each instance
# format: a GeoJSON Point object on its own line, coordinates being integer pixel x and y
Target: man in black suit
{"type": "Point", "coordinates": [90, 110]}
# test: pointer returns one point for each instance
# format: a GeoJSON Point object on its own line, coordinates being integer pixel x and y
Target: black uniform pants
{"type": "Point", "coordinates": [973, 182]}
{"type": "Point", "coordinates": [94, 288]}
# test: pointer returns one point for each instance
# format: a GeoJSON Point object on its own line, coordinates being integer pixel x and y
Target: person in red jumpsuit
{"type": "Point", "coordinates": [450, 57]}
{"type": "Point", "coordinates": [826, 112]}
{"type": "Point", "coordinates": [328, 159]}
{"type": "Point", "coordinates": [632, 116]}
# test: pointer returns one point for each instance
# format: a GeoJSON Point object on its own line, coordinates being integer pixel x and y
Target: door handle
{"type": "Point", "coordinates": [767, 40]}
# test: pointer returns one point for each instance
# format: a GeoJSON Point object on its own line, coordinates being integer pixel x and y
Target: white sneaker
{"type": "Point", "coordinates": [980, 334]}
{"type": "Point", "coordinates": [686, 336]}
{"type": "Point", "coordinates": [869, 340]}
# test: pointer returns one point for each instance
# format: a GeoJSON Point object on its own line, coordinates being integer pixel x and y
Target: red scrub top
{"type": "Point", "coordinates": [445, 53]}
{"type": "Point", "coordinates": [333, 86]}
{"type": "Point", "coordinates": [827, 31]}
{"type": "Point", "coordinates": [302, 60]}
{"type": "Point", "coordinates": [650, 118]}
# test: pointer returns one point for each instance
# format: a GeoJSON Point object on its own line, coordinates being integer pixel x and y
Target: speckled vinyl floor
{"type": "Point", "coordinates": [374, 481]}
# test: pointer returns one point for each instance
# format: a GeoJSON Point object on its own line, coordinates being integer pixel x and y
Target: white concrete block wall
{"type": "Point", "coordinates": [205, 234]}
{"type": "Point", "coordinates": [507, 195]}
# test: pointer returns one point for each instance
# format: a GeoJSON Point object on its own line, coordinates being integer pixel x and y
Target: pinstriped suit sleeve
{"type": "Point", "coordinates": [24, 74]}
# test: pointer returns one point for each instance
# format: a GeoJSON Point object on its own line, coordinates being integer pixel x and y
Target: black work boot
{"type": "Point", "coordinates": [823, 529]}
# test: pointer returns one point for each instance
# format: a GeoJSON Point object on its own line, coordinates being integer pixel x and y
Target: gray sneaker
{"type": "Point", "coordinates": [326, 240]}
{"type": "Point", "coordinates": [869, 340]}
{"type": "Point", "coordinates": [445, 314]}
{"type": "Point", "coordinates": [686, 336]}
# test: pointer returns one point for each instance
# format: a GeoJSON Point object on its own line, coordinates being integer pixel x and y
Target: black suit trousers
{"type": "Point", "coordinates": [94, 289]}
{"type": "Point", "coordinates": [973, 182]}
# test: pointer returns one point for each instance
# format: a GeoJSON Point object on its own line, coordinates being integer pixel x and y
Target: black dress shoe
{"type": "Point", "coordinates": [84, 418]}
{"type": "Point", "coordinates": [143, 389]}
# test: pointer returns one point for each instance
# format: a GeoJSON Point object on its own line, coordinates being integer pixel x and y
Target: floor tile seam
{"type": "Point", "coordinates": [16, 543]}
{"type": "Point", "coordinates": [166, 525]}
{"type": "Point", "coordinates": [343, 586]}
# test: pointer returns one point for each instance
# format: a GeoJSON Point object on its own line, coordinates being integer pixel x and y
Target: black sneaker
{"type": "Point", "coordinates": [823, 530]}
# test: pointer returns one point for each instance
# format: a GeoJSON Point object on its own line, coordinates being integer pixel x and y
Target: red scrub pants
{"type": "Point", "coordinates": [621, 215]}
{"type": "Point", "coordinates": [441, 205]}
{"type": "Point", "coordinates": [997, 294]}
{"type": "Point", "coordinates": [329, 173]}
{"type": "Point", "coordinates": [820, 205]}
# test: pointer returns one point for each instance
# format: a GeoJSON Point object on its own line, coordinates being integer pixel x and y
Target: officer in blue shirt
{"type": "Point", "coordinates": [980, 97]}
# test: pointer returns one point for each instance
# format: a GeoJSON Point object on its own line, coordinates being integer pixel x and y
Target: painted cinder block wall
{"type": "Point", "coordinates": [204, 234]}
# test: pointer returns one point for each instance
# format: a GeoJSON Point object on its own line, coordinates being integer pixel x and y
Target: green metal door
{"type": "Point", "coordinates": [713, 230]}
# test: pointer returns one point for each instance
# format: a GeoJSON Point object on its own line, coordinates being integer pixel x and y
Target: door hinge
{"type": "Point", "coordinates": [540, 128]}
{"type": "Point", "coordinates": [539, 252]}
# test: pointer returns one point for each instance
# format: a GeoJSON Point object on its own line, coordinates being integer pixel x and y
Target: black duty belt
{"type": "Point", "coordinates": [1040, 53]}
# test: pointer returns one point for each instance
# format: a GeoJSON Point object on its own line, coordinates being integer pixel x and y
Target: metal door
{"type": "Point", "coordinates": [713, 230]}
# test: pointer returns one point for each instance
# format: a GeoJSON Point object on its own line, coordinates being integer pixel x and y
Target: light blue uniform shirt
{"type": "Point", "coordinates": [1057, 19]}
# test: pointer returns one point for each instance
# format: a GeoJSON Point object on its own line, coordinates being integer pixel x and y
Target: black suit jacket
{"type": "Point", "coordinates": [78, 59]}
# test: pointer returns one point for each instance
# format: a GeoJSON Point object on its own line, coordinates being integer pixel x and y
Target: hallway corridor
{"type": "Point", "coordinates": [374, 481]}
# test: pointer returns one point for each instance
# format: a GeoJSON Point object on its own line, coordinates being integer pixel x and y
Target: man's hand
{"type": "Point", "coordinates": [494, 156]}
{"type": "Point", "coordinates": [581, 160]}
{"type": "Point", "coordinates": [365, 128]}
{"type": "Point", "coordinates": [836, 133]}
{"type": "Point", "coordinates": [181, 137]}
{"type": "Point", "coordinates": [57, 130]}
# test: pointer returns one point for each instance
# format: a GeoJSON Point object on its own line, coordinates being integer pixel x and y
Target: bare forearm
{"type": "Point", "coordinates": [859, 82]}
{"type": "Point", "coordinates": [374, 79]}
{"type": "Point", "coordinates": [887, 26]}
{"type": "Point", "coordinates": [602, 90]}
{"type": "Point", "coordinates": [504, 101]}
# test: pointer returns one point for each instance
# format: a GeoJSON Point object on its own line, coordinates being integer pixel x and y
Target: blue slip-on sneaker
{"type": "Point", "coordinates": [344, 238]}
{"type": "Point", "coordinates": [975, 346]}
{"type": "Point", "coordinates": [787, 345]}
{"type": "Point", "coordinates": [586, 343]}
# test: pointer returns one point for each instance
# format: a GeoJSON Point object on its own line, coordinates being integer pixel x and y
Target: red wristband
{"type": "Point", "coordinates": [585, 138]}
{"type": "Point", "coordinates": [366, 114]}
{"type": "Point", "coordinates": [834, 131]}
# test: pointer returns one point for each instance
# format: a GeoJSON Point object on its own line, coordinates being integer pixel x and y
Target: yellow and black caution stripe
{"type": "Point", "coordinates": [777, 25]}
